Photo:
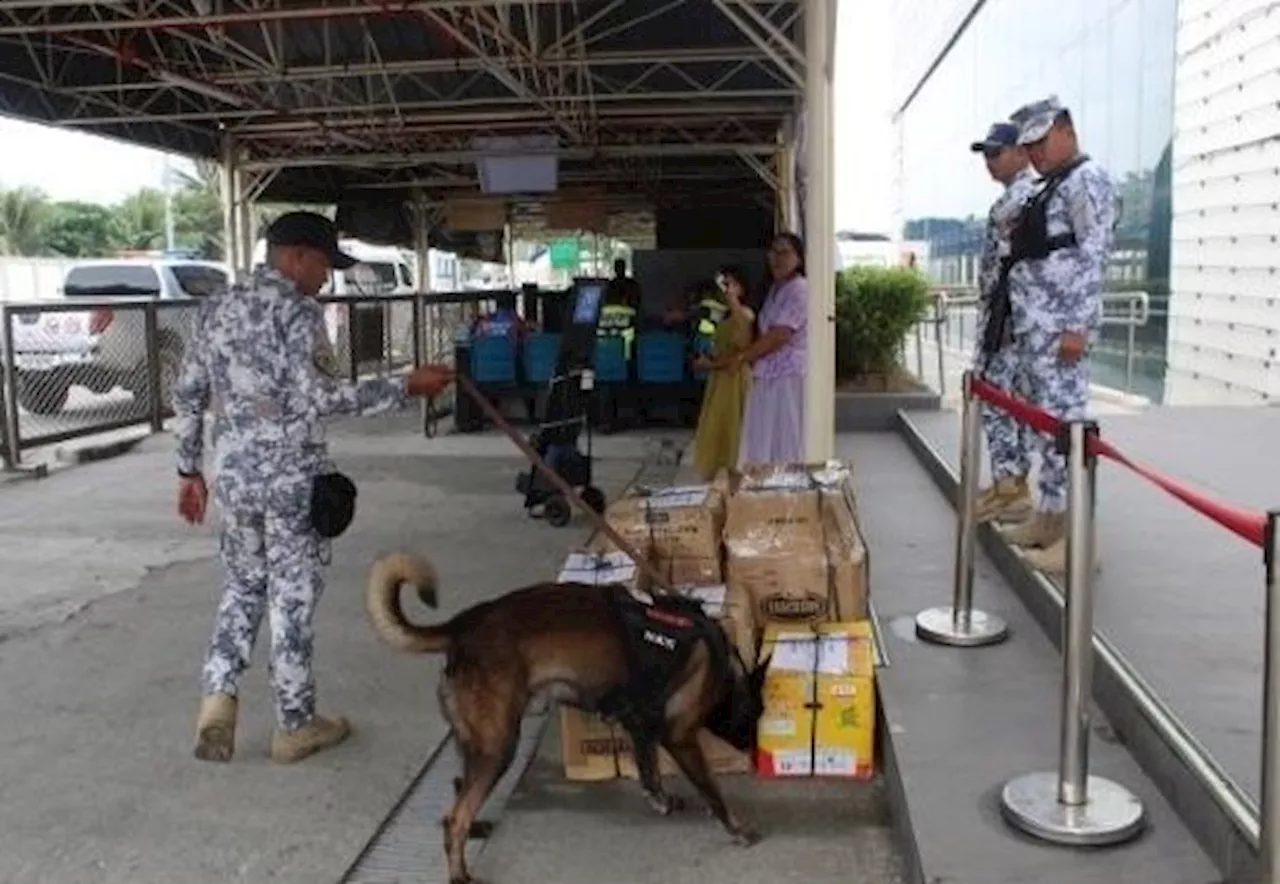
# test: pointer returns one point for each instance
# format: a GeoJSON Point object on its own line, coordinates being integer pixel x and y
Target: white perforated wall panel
{"type": "Point", "coordinates": [1224, 323]}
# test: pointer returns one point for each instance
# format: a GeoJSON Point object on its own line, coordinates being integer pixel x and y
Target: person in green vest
{"type": "Point", "coordinates": [711, 311]}
{"type": "Point", "coordinates": [618, 314]}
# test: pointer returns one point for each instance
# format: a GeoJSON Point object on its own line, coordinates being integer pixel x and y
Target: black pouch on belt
{"type": "Point", "coordinates": [333, 503]}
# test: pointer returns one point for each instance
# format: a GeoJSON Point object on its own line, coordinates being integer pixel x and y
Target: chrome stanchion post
{"type": "Point", "coordinates": [960, 625]}
{"type": "Point", "coordinates": [1269, 834]}
{"type": "Point", "coordinates": [1071, 806]}
{"type": "Point", "coordinates": [12, 434]}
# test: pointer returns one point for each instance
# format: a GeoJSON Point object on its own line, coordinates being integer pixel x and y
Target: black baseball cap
{"type": "Point", "coordinates": [312, 230]}
{"type": "Point", "coordinates": [998, 136]}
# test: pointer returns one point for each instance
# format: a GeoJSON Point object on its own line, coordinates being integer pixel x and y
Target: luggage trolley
{"type": "Point", "coordinates": [566, 415]}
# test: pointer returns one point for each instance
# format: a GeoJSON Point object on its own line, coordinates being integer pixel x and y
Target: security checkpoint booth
{"type": "Point", "coordinates": [459, 126]}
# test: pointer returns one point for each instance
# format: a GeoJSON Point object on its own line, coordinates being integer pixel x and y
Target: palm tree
{"type": "Point", "coordinates": [24, 212]}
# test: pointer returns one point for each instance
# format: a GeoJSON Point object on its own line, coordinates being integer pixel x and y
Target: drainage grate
{"type": "Point", "coordinates": [407, 846]}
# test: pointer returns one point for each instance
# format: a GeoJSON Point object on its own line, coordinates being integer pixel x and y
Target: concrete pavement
{"type": "Point", "coordinates": [104, 613]}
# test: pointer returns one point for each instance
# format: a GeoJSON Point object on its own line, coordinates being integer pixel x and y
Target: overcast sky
{"type": "Point", "coordinates": [70, 165]}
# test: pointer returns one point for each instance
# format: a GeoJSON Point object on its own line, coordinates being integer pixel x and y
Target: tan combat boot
{"type": "Point", "coordinates": [1052, 560]}
{"type": "Point", "coordinates": [1006, 500]}
{"type": "Point", "coordinates": [216, 728]}
{"type": "Point", "coordinates": [1039, 531]}
{"type": "Point", "coordinates": [317, 734]}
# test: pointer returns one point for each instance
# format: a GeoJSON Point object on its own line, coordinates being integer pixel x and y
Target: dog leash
{"type": "Point", "coordinates": [601, 524]}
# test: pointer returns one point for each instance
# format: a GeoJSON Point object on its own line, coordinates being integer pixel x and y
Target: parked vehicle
{"type": "Point", "coordinates": [104, 348]}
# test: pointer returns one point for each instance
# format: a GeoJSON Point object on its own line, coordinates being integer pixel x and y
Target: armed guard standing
{"type": "Point", "coordinates": [261, 364]}
{"type": "Point", "coordinates": [1061, 247]}
{"type": "Point", "coordinates": [998, 361]}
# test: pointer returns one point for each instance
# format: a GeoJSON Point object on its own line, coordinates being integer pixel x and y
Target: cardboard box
{"type": "Point", "coordinates": [685, 571]}
{"type": "Point", "coordinates": [800, 582]}
{"type": "Point", "coordinates": [766, 522]}
{"type": "Point", "coordinates": [593, 749]}
{"type": "Point", "coordinates": [820, 709]}
{"type": "Point", "coordinates": [600, 569]}
{"type": "Point", "coordinates": [676, 522]}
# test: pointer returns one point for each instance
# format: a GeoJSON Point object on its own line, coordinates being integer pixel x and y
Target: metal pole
{"type": "Point", "coordinates": [1077, 646]}
{"type": "Point", "coordinates": [1131, 347]}
{"type": "Point", "coordinates": [12, 442]}
{"type": "Point", "coordinates": [1070, 806]}
{"type": "Point", "coordinates": [151, 322]}
{"type": "Point", "coordinates": [942, 359]}
{"type": "Point", "coordinates": [920, 352]}
{"type": "Point", "coordinates": [1269, 834]}
{"type": "Point", "coordinates": [960, 625]}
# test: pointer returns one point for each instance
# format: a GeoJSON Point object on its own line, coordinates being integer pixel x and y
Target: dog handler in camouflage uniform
{"type": "Point", "coordinates": [261, 363]}
{"type": "Point", "coordinates": [1008, 441]}
{"type": "Point", "coordinates": [1056, 301]}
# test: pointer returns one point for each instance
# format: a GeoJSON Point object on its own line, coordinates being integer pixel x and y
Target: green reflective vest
{"type": "Point", "coordinates": [710, 314]}
{"type": "Point", "coordinates": [618, 321]}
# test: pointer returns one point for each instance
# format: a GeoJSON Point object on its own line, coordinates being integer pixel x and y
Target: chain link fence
{"type": "Point", "coordinates": [81, 368]}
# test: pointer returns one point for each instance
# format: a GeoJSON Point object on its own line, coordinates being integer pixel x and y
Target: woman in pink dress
{"type": "Point", "coordinates": [773, 423]}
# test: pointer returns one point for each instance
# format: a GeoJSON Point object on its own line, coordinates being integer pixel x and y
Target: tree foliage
{"type": "Point", "coordinates": [875, 308]}
{"type": "Point", "coordinates": [33, 225]}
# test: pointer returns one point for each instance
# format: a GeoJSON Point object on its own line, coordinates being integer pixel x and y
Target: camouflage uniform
{"type": "Point", "coordinates": [1061, 293]}
{"type": "Point", "coordinates": [1008, 441]}
{"type": "Point", "coordinates": [261, 363]}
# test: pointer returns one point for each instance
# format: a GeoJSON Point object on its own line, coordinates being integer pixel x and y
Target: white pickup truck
{"type": "Point", "coordinates": [104, 348]}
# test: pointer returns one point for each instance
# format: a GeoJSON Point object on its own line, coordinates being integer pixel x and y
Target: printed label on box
{"type": "Point", "coordinates": [598, 569]}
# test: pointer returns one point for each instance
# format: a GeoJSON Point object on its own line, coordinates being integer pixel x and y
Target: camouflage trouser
{"type": "Point", "coordinates": [1062, 389]}
{"type": "Point", "coordinates": [272, 563]}
{"type": "Point", "coordinates": [1008, 441]}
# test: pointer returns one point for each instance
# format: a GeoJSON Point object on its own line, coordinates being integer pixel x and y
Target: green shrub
{"type": "Point", "coordinates": [875, 308]}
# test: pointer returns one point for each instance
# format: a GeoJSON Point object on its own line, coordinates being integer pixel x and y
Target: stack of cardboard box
{"type": "Point", "coordinates": [796, 551]}
{"type": "Point", "coordinates": [679, 530]}
{"type": "Point", "coordinates": [778, 557]}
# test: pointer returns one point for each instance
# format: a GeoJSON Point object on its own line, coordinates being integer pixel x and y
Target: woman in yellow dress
{"type": "Point", "coordinates": [715, 444]}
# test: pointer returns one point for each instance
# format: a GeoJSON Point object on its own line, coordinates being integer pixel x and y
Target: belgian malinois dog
{"type": "Point", "coordinates": [569, 641]}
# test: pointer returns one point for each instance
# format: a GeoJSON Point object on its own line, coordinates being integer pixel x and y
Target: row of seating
{"type": "Point", "coordinates": [661, 357]}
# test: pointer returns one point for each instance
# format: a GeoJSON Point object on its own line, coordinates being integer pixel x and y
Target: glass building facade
{"type": "Point", "coordinates": [1111, 62]}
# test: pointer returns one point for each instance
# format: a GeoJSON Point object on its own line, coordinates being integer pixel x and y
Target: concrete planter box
{"type": "Point", "coordinates": [872, 405]}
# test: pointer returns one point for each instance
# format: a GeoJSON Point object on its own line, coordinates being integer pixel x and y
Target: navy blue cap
{"type": "Point", "coordinates": [311, 230]}
{"type": "Point", "coordinates": [998, 136]}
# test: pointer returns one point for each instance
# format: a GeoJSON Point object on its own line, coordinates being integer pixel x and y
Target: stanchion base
{"type": "Point", "coordinates": [1111, 815]}
{"type": "Point", "coordinates": [940, 626]}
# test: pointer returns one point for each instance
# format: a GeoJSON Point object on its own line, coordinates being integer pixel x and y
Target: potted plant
{"type": "Point", "coordinates": [876, 307]}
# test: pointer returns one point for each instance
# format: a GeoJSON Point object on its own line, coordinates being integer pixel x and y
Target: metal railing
{"type": "Point", "coordinates": [952, 328]}
{"type": "Point", "coordinates": [86, 366]}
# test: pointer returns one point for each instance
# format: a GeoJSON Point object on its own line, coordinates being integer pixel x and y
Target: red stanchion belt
{"type": "Point", "coordinates": [1252, 526]}
{"type": "Point", "coordinates": [1246, 523]}
{"type": "Point", "coordinates": [1020, 409]}
{"type": "Point", "coordinates": [535, 460]}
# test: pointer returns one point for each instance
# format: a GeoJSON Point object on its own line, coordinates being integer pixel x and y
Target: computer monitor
{"type": "Point", "coordinates": [578, 340]}
{"type": "Point", "coordinates": [588, 293]}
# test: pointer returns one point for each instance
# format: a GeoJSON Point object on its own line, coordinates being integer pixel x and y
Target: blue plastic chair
{"type": "Point", "coordinates": [539, 357]}
{"type": "Point", "coordinates": [493, 360]}
{"type": "Point", "coordinates": [660, 358]}
{"type": "Point", "coordinates": [610, 361]}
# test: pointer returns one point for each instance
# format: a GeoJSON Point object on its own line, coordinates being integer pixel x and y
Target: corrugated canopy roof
{"type": "Point", "coordinates": [658, 100]}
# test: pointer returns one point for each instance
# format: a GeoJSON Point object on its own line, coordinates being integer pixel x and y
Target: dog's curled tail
{"type": "Point", "coordinates": [382, 603]}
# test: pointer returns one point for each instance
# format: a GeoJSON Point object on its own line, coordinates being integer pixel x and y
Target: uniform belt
{"type": "Point", "coordinates": [262, 408]}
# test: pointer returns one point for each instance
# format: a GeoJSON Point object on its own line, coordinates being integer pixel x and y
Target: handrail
{"type": "Point", "coordinates": [1138, 302]}
{"type": "Point", "coordinates": [1129, 310]}
{"type": "Point", "coordinates": [79, 304]}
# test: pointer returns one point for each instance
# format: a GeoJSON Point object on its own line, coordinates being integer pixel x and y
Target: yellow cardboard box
{"type": "Point", "coordinates": [820, 709]}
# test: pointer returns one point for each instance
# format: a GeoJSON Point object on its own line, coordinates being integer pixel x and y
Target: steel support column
{"type": "Point", "coordinates": [819, 228]}
{"type": "Point", "coordinates": [226, 178]}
